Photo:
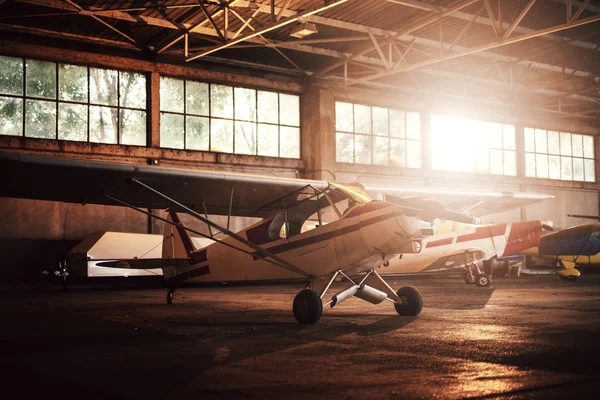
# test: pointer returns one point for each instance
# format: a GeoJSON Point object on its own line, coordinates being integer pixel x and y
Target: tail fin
{"type": "Point", "coordinates": [177, 242]}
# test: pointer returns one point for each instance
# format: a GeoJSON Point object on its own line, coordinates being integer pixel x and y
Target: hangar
{"type": "Point", "coordinates": [489, 95]}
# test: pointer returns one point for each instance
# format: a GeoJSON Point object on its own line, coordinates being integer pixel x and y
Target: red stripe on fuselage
{"type": "Point", "coordinates": [483, 232]}
{"type": "Point", "coordinates": [441, 242]}
{"type": "Point", "coordinates": [281, 248]}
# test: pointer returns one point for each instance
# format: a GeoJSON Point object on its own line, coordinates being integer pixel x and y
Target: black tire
{"type": "Point", "coordinates": [483, 280]}
{"type": "Point", "coordinates": [569, 278]}
{"type": "Point", "coordinates": [413, 302]}
{"type": "Point", "coordinates": [170, 296]}
{"type": "Point", "coordinates": [308, 307]}
{"type": "Point", "coordinates": [469, 279]}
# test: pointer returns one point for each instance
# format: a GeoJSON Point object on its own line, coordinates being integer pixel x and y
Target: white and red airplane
{"type": "Point", "coordinates": [315, 230]}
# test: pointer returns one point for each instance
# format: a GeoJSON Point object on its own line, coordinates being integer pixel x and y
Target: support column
{"type": "Point", "coordinates": [153, 107]}
{"type": "Point", "coordinates": [317, 108]}
{"type": "Point", "coordinates": [426, 142]}
{"type": "Point", "coordinates": [520, 147]}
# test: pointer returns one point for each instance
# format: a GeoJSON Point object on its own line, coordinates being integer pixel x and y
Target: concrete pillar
{"type": "Point", "coordinates": [520, 147]}
{"type": "Point", "coordinates": [426, 144]}
{"type": "Point", "coordinates": [317, 108]}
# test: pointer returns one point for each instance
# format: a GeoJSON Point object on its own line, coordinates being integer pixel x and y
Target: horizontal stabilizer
{"type": "Point", "coordinates": [146, 263]}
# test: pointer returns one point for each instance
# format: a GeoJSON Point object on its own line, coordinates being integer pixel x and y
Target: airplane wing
{"type": "Point", "coordinates": [475, 202]}
{"type": "Point", "coordinates": [578, 240]}
{"type": "Point", "coordinates": [145, 263]}
{"type": "Point", "coordinates": [452, 260]}
{"type": "Point", "coordinates": [81, 181]}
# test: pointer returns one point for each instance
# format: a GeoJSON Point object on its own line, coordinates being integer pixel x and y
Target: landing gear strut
{"type": "Point", "coordinates": [477, 277]}
{"type": "Point", "coordinates": [170, 295]}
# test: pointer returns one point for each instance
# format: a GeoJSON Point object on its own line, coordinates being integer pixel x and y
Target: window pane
{"type": "Point", "coordinates": [541, 165]}
{"type": "Point", "coordinates": [553, 142]}
{"type": "Point", "coordinates": [221, 102]}
{"type": "Point", "coordinates": [482, 162]}
{"type": "Point", "coordinates": [267, 107]}
{"type": "Point", "coordinates": [510, 163]}
{"type": "Point", "coordinates": [133, 127]}
{"type": "Point", "coordinates": [413, 125]}
{"type": "Point", "coordinates": [362, 119]}
{"type": "Point", "coordinates": [588, 146]}
{"type": "Point", "coordinates": [529, 140]}
{"type": "Point", "coordinates": [40, 119]}
{"type": "Point", "coordinates": [289, 109]}
{"type": "Point", "coordinates": [554, 167]}
{"type": "Point", "coordinates": [565, 144]}
{"type": "Point", "coordinates": [290, 142]}
{"type": "Point", "coordinates": [344, 147]}
{"type": "Point", "coordinates": [541, 145]}
{"type": "Point", "coordinates": [245, 137]}
{"type": "Point", "coordinates": [381, 151]}
{"type": "Point", "coordinates": [577, 143]}
{"type": "Point", "coordinates": [343, 117]}
{"type": "Point", "coordinates": [413, 153]}
{"type": "Point", "coordinates": [72, 122]}
{"type": "Point", "coordinates": [11, 75]}
{"type": "Point", "coordinates": [11, 116]}
{"type": "Point", "coordinates": [132, 90]}
{"type": "Point", "coordinates": [245, 105]}
{"type": "Point", "coordinates": [397, 123]}
{"type": "Point", "coordinates": [578, 169]}
{"type": "Point", "coordinates": [41, 79]}
{"type": "Point", "coordinates": [72, 83]}
{"type": "Point", "coordinates": [566, 168]}
{"type": "Point", "coordinates": [196, 133]}
{"type": "Point", "coordinates": [268, 140]}
{"type": "Point", "coordinates": [171, 95]}
{"type": "Point", "coordinates": [398, 153]}
{"type": "Point", "coordinates": [380, 121]}
{"type": "Point", "coordinates": [221, 135]}
{"type": "Point", "coordinates": [496, 162]}
{"type": "Point", "coordinates": [103, 125]}
{"type": "Point", "coordinates": [103, 86]}
{"type": "Point", "coordinates": [467, 162]}
{"type": "Point", "coordinates": [171, 131]}
{"type": "Point", "coordinates": [508, 133]}
{"type": "Point", "coordinates": [530, 165]}
{"type": "Point", "coordinates": [196, 98]}
{"type": "Point", "coordinates": [362, 149]}
{"type": "Point", "coordinates": [495, 135]}
{"type": "Point", "coordinates": [590, 173]}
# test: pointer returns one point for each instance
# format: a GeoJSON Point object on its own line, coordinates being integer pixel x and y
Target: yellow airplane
{"type": "Point", "coordinates": [578, 245]}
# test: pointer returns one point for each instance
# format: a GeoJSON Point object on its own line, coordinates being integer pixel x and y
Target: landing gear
{"type": "Point", "coordinates": [170, 296]}
{"type": "Point", "coordinates": [308, 307]}
{"type": "Point", "coordinates": [483, 280]}
{"type": "Point", "coordinates": [412, 301]}
{"type": "Point", "coordinates": [470, 278]}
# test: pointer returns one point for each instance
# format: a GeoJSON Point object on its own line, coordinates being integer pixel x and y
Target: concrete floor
{"type": "Point", "coordinates": [527, 337]}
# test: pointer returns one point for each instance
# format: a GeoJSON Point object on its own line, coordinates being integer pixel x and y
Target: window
{"type": "Point", "coordinates": [559, 155]}
{"type": "Point", "coordinates": [226, 119]}
{"type": "Point", "coordinates": [42, 99]}
{"type": "Point", "coordinates": [376, 135]}
{"type": "Point", "coordinates": [467, 145]}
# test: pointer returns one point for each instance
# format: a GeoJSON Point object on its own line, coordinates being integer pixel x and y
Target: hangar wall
{"type": "Point", "coordinates": [34, 235]}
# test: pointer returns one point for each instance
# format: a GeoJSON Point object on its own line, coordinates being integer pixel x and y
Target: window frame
{"type": "Point", "coordinates": [57, 101]}
{"type": "Point", "coordinates": [256, 123]}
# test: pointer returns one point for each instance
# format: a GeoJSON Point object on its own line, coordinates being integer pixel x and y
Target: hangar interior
{"type": "Point", "coordinates": [476, 94]}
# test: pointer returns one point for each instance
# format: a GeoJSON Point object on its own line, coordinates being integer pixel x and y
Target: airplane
{"type": "Point", "coordinates": [352, 237]}
{"type": "Point", "coordinates": [578, 245]}
{"type": "Point", "coordinates": [470, 249]}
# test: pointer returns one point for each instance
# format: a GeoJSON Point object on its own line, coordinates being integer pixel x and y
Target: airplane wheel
{"type": "Point", "coordinates": [483, 280]}
{"type": "Point", "coordinates": [469, 279]}
{"type": "Point", "coordinates": [569, 278]}
{"type": "Point", "coordinates": [170, 296]}
{"type": "Point", "coordinates": [308, 307]}
{"type": "Point", "coordinates": [413, 301]}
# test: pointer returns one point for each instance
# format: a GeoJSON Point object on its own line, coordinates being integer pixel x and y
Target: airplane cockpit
{"type": "Point", "coordinates": [310, 209]}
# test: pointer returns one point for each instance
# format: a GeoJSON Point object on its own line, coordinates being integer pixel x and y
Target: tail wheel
{"type": "Point", "coordinates": [412, 301]}
{"type": "Point", "coordinates": [483, 280]}
{"type": "Point", "coordinates": [308, 307]}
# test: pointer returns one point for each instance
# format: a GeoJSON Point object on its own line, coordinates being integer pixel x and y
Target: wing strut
{"type": "Point", "coordinates": [263, 252]}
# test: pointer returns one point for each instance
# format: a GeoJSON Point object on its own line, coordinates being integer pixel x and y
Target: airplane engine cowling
{"type": "Point", "coordinates": [370, 294]}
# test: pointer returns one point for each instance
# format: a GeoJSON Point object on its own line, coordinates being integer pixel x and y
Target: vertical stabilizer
{"type": "Point", "coordinates": [176, 240]}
